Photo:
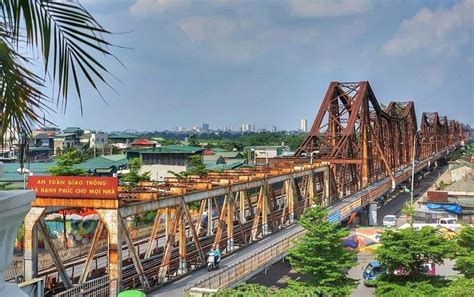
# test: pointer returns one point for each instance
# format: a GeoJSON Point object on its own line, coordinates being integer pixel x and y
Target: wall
{"type": "Point", "coordinates": [159, 172]}
{"type": "Point", "coordinates": [98, 139]}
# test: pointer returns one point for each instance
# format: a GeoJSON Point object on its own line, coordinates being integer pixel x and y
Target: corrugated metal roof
{"type": "Point", "coordinates": [104, 162]}
{"type": "Point", "coordinates": [230, 154]}
{"type": "Point", "coordinates": [10, 170]}
{"type": "Point", "coordinates": [122, 135]}
{"type": "Point", "coordinates": [232, 165]}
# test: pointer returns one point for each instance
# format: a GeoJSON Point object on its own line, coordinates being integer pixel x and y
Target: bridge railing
{"type": "Point", "coordinates": [248, 266]}
{"type": "Point", "coordinates": [96, 287]}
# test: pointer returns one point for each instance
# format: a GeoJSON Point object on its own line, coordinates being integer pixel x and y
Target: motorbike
{"type": "Point", "coordinates": [211, 263]}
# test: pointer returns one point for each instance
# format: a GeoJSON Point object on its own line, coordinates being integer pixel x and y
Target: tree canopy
{"type": "Point", "coordinates": [134, 176]}
{"type": "Point", "coordinates": [320, 255]}
{"type": "Point", "coordinates": [65, 163]}
{"type": "Point", "coordinates": [407, 249]}
{"type": "Point", "coordinates": [465, 252]}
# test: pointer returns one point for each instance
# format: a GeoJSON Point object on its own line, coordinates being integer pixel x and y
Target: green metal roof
{"type": "Point", "coordinates": [229, 154]}
{"type": "Point", "coordinates": [104, 162]}
{"type": "Point", "coordinates": [10, 170]}
{"type": "Point", "coordinates": [218, 150]}
{"type": "Point", "coordinates": [122, 135]}
{"type": "Point", "coordinates": [232, 165]}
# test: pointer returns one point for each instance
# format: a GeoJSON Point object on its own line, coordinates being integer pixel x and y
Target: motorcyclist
{"type": "Point", "coordinates": [216, 252]}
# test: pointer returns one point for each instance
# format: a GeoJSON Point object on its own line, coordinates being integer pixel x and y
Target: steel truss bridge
{"type": "Point", "coordinates": [356, 151]}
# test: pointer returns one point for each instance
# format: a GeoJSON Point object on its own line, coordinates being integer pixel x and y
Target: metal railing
{"type": "Point", "coordinates": [95, 287]}
{"type": "Point", "coordinates": [247, 266]}
{"type": "Point", "coordinates": [33, 288]}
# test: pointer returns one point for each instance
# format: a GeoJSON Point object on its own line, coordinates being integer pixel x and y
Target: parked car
{"type": "Point", "coordinates": [389, 221]}
{"type": "Point", "coordinates": [373, 269]}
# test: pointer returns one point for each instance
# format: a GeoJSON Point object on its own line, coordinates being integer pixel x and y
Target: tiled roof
{"type": "Point", "coordinates": [169, 149]}
{"type": "Point", "coordinates": [143, 141]}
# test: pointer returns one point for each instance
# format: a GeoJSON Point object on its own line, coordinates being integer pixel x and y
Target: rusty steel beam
{"type": "Point", "coordinates": [171, 201]}
{"type": "Point", "coordinates": [54, 255]}
{"type": "Point", "coordinates": [92, 252]}
{"type": "Point", "coordinates": [135, 257]}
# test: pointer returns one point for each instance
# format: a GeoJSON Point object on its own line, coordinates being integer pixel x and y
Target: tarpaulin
{"type": "Point", "coordinates": [454, 208]}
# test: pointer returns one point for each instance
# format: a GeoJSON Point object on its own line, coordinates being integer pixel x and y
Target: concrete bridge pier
{"type": "Point", "coordinates": [372, 213]}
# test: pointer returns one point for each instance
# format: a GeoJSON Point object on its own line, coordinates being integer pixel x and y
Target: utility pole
{"type": "Point", "coordinates": [413, 168]}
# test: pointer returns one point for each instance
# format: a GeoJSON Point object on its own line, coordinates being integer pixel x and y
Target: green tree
{"type": "Point", "coordinates": [196, 166]}
{"type": "Point", "coordinates": [60, 35]}
{"type": "Point", "coordinates": [134, 176]}
{"type": "Point", "coordinates": [465, 252]}
{"type": "Point", "coordinates": [409, 211]}
{"type": "Point", "coordinates": [193, 140]}
{"type": "Point", "coordinates": [66, 162]}
{"type": "Point", "coordinates": [255, 290]}
{"type": "Point", "coordinates": [321, 256]}
{"type": "Point", "coordinates": [407, 249]}
{"type": "Point", "coordinates": [459, 287]}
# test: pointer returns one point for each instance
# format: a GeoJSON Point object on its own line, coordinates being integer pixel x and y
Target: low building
{"type": "Point", "coordinates": [143, 143]}
{"type": "Point", "coordinates": [66, 140]}
{"type": "Point", "coordinates": [107, 165]}
{"type": "Point", "coordinates": [262, 153]}
{"type": "Point", "coordinates": [211, 160]}
{"type": "Point", "coordinates": [95, 139]}
{"type": "Point", "coordinates": [160, 160]}
{"type": "Point", "coordinates": [122, 140]}
{"type": "Point", "coordinates": [229, 156]}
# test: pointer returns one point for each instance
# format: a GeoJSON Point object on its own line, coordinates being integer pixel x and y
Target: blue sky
{"type": "Point", "coordinates": [227, 62]}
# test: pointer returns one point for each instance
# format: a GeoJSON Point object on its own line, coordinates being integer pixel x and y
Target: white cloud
{"type": "Point", "coordinates": [144, 7]}
{"type": "Point", "coordinates": [440, 31]}
{"type": "Point", "coordinates": [329, 8]}
{"type": "Point", "coordinates": [205, 28]}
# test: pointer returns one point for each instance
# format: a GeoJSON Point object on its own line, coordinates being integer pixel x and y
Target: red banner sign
{"type": "Point", "coordinates": [74, 187]}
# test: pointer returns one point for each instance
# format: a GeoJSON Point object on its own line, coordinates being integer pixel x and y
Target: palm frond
{"type": "Point", "coordinates": [20, 91]}
{"type": "Point", "coordinates": [68, 37]}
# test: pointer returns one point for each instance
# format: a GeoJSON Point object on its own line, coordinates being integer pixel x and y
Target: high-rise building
{"type": "Point", "coordinates": [304, 125]}
{"type": "Point", "coordinates": [205, 127]}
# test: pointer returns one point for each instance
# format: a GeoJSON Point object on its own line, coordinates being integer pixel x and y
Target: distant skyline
{"type": "Point", "coordinates": [270, 62]}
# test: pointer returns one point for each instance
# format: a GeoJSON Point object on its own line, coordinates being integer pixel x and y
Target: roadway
{"type": "Point", "coordinates": [394, 205]}
{"type": "Point", "coordinates": [176, 288]}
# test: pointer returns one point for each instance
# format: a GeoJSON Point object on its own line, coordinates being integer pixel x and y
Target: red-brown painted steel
{"type": "Point", "coordinates": [352, 125]}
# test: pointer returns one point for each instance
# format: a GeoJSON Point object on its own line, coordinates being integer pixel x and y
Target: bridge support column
{"type": "Point", "coordinates": [326, 187]}
{"type": "Point", "coordinates": [372, 213]}
{"type": "Point", "coordinates": [210, 220]}
{"type": "Point", "coordinates": [183, 267]}
{"type": "Point", "coordinates": [30, 253]}
{"type": "Point", "coordinates": [242, 207]}
{"type": "Point", "coordinates": [265, 211]}
{"type": "Point", "coordinates": [230, 222]}
{"type": "Point", "coordinates": [167, 222]}
{"type": "Point", "coordinates": [111, 218]}
{"type": "Point", "coordinates": [290, 196]}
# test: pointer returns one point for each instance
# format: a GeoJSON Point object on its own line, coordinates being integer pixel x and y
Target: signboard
{"type": "Point", "coordinates": [74, 187]}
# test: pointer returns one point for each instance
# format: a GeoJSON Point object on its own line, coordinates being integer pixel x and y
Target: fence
{"type": "Point", "coordinates": [96, 287]}
{"type": "Point", "coordinates": [248, 266]}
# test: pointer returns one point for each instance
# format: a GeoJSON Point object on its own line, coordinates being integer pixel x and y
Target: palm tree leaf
{"type": "Point", "coordinates": [66, 34]}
